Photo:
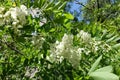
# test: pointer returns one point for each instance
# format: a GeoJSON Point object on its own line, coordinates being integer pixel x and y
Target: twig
{"type": "Point", "coordinates": [12, 47]}
{"type": "Point", "coordinates": [77, 2]}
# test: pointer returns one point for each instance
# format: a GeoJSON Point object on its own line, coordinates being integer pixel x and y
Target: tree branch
{"type": "Point", "coordinates": [11, 46]}
{"type": "Point", "coordinates": [77, 2]}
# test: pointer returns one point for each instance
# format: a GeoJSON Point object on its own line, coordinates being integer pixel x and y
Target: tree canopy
{"type": "Point", "coordinates": [41, 40]}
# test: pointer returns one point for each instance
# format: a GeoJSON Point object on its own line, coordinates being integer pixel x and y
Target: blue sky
{"type": "Point", "coordinates": [77, 8]}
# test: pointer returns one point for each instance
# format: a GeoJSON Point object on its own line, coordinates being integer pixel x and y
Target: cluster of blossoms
{"type": "Point", "coordinates": [66, 50]}
{"type": "Point", "coordinates": [30, 72]}
{"type": "Point", "coordinates": [36, 13]}
{"type": "Point", "coordinates": [84, 37]}
{"type": "Point", "coordinates": [91, 44]}
{"type": "Point", "coordinates": [15, 16]}
{"type": "Point", "coordinates": [100, 46]}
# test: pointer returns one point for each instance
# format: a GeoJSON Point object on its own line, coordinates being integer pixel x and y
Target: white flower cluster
{"type": "Point", "coordinates": [92, 45]}
{"type": "Point", "coordinates": [99, 45]}
{"type": "Point", "coordinates": [84, 36]}
{"type": "Point", "coordinates": [36, 13]}
{"type": "Point", "coordinates": [15, 16]}
{"type": "Point", "coordinates": [65, 50]}
{"type": "Point", "coordinates": [30, 72]}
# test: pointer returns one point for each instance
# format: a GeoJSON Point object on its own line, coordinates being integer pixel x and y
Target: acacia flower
{"type": "Point", "coordinates": [2, 9]}
{"type": "Point", "coordinates": [66, 50]}
{"type": "Point", "coordinates": [16, 15]}
{"type": "Point", "coordinates": [84, 36]}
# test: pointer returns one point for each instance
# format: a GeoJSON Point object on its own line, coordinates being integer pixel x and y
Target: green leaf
{"type": "Point", "coordinates": [105, 69]}
{"type": "Point", "coordinates": [63, 5]}
{"type": "Point", "coordinates": [69, 16]}
{"type": "Point", "coordinates": [67, 25]}
{"type": "Point", "coordinates": [103, 76]}
{"type": "Point", "coordinates": [52, 30]}
{"type": "Point", "coordinates": [57, 4]}
{"type": "Point", "coordinates": [94, 30]}
{"type": "Point", "coordinates": [112, 38]}
{"type": "Point", "coordinates": [116, 45]}
{"type": "Point", "coordinates": [116, 39]}
{"type": "Point", "coordinates": [95, 65]}
{"type": "Point", "coordinates": [110, 35]}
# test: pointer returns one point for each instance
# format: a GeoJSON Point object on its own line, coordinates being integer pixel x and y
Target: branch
{"type": "Point", "coordinates": [77, 2]}
{"type": "Point", "coordinates": [11, 46]}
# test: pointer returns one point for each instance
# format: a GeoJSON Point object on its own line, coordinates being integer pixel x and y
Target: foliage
{"type": "Point", "coordinates": [39, 40]}
{"type": "Point", "coordinates": [101, 10]}
{"type": "Point", "coordinates": [102, 73]}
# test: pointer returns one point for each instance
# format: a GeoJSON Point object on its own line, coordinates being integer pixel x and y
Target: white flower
{"type": "Point", "coordinates": [1, 16]}
{"type": "Point", "coordinates": [19, 26]}
{"type": "Point", "coordinates": [43, 21]}
{"type": "Point", "coordinates": [80, 50]}
{"type": "Point", "coordinates": [65, 50]}
{"type": "Point", "coordinates": [2, 9]}
{"type": "Point", "coordinates": [14, 13]}
{"type": "Point", "coordinates": [35, 12]}
{"type": "Point", "coordinates": [57, 42]}
{"type": "Point", "coordinates": [34, 33]}
{"type": "Point", "coordinates": [15, 23]}
{"type": "Point", "coordinates": [84, 36]}
{"type": "Point", "coordinates": [60, 48]}
{"type": "Point", "coordinates": [30, 72]}
{"type": "Point", "coordinates": [7, 14]}
{"type": "Point", "coordinates": [24, 9]}
{"type": "Point", "coordinates": [67, 39]}
{"type": "Point", "coordinates": [75, 57]}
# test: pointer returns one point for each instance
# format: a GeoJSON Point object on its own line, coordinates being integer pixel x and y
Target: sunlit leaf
{"type": "Point", "coordinates": [69, 16]}
{"type": "Point", "coordinates": [104, 76]}
{"type": "Point", "coordinates": [94, 66]}
{"type": "Point", "coordinates": [105, 69]}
